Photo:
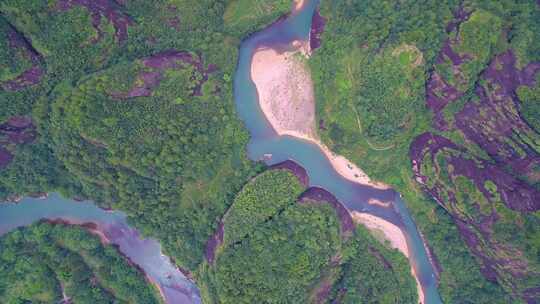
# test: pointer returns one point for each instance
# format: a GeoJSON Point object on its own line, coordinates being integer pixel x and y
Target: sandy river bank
{"type": "Point", "coordinates": [286, 97]}
{"type": "Point", "coordinates": [391, 233]}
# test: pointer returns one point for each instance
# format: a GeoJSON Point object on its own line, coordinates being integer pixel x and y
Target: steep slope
{"type": "Point", "coordinates": [457, 138]}
{"type": "Point", "coordinates": [51, 263]}
{"type": "Point", "coordinates": [282, 243]}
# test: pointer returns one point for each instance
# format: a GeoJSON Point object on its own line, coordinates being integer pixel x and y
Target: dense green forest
{"type": "Point", "coordinates": [130, 104]}
{"type": "Point", "coordinates": [389, 71]}
{"type": "Point", "coordinates": [48, 263]}
{"type": "Point", "coordinates": [277, 250]}
{"type": "Point", "coordinates": [370, 273]}
{"type": "Point", "coordinates": [134, 112]}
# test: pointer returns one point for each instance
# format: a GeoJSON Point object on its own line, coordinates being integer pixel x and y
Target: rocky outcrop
{"type": "Point", "coordinates": [21, 48]}
{"type": "Point", "coordinates": [213, 243]}
{"type": "Point", "coordinates": [319, 195]}
{"type": "Point", "coordinates": [99, 9]}
{"type": "Point", "coordinates": [295, 169]}
{"type": "Point", "coordinates": [155, 66]}
{"type": "Point", "coordinates": [439, 91]}
{"type": "Point", "coordinates": [317, 28]}
{"type": "Point", "coordinates": [494, 123]}
{"type": "Point", "coordinates": [477, 193]}
{"type": "Point", "coordinates": [478, 168]}
{"type": "Point", "coordinates": [17, 130]}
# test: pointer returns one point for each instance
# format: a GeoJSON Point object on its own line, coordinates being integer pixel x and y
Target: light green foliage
{"type": "Point", "coordinates": [40, 262]}
{"type": "Point", "coordinates": [383, 96]}
{"type": "Point", "coordinates": [276, 250]}
{"type": "Point", "coordinates": [371, 273]}
{"type": "Point", "coordinates": [530, 103]}
{"type": "Point", "coordinates": [172, 161]}
{"type": "Point", "coordinates": [364, 96]}
{"type": "Point", "coordinates": [479, 35]}
{"type": "Point", "coordinates": [247, 15]}
{"type": "Point", "coordinates": [264, 196]}
{"type": "Point", "coordinates": [388, 96]}
{"type": "Point", "coordinates": [370, 79]}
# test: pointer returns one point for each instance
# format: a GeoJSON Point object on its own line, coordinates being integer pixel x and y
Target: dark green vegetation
{"type": "Point", "coordinates": [133, 110]}
{"type": "Point", "coordinates": [129, 103]}
{"type": "Point", "coordinates": [136, 113]}
{"type": "Point", "coordinates": [365, 278]}
{"type": "Point", "coordinates": [45, 263]}
{"type": "Point", "coordinates": [530, 103]}
{"type": "Point", "coordinates": [277, 250]}
{"type": "Point", "coordinates": [370, 75]}
{"type": "Point", "coordinates": [244, 16]}
{"type": "Point", "coordinates": [390, 71]}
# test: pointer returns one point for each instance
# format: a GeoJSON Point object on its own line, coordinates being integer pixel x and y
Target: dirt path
{"type": "Point", "coordinates": [286, 97]}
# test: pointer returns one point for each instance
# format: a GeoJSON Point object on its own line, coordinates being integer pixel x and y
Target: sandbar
{"type": "Point", "coordinates": [391, 232]}
{"type": "Point", "coordinates": [298, 5]}
{"type": "Point", "coordinates": [286, 97]}
{"type": "Point", "coordinates": [395, 237]}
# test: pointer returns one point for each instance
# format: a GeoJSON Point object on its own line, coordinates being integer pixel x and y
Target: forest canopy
{"type": "Point", "coordinates": [130, 104]}
{"type": "Point", "coordinates": [133, 110]}
{"type": "Point", "coordinates": [278, 250]}
{"type": "Point", "coordinates": [48, 263]}
{"type": "Point", "coordinates": [419, 94]}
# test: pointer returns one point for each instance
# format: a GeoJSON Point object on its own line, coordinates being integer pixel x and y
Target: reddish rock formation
{"type": "Point", "coordinates": [101, 9]}
{"type": "Point", "coordinates": [17, 130]}
{"type": "Point", "coordinates": [213, 243]}
{"type": "Point", "coordinates": [158, 63]}
{"type": "Point", "coordinates": [27, 78]}
{"type": "Point", "coordinates": [460, 15]}
{"type": "Point", "coordinates": [5, 157]}
{"type": "Point", "coordinates": [316, 194]}
{"type": "Point", "coordinates": [317, 28]}
{"type": "Point", "coordinates": [494, 123]}
{"type": "Point", "coordinates": [295, 169]}
{"type": "Point", "coordinates": [499, 261]}
{"type": "Point", "coordinates": [31, 76]}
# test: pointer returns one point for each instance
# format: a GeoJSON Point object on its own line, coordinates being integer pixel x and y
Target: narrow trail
{"type": "Point", "coordinates": [351, 79]}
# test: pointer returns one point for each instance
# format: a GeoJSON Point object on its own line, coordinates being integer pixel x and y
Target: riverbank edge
{"type": "Point", "coordinates": [272, 61]}
{"type": "Point", "coordinates": [342, 165]}
{"type": "Point", "coordinates": [395, 237]}
{"type": "Point", "coordinates": [93, 229]}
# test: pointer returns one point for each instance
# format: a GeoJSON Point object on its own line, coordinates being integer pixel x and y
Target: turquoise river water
{"type": "Point", "coordinates": [265, 141]}
{"type": "Point", "coordinates": [146, 253]}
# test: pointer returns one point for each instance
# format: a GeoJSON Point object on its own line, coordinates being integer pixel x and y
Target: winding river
{"type": "Point", "coordinates": [265, 141]}
{"type": "Point", "coordinates": [146, 253]}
